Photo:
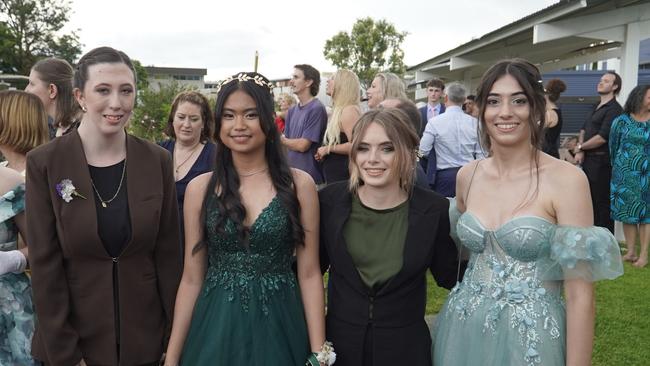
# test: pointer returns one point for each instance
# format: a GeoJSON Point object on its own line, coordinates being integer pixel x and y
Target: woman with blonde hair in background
{"type": "Point", "coordinates": [285, 102]}
{"type": "Point", "coordinates": [51, 81]}
{"type": "Point", "coordinates": [385, 85]}
{"type": "Point", "coordinates": [23, 126]}
{"type": "Point", "coordinates": [345, 90]}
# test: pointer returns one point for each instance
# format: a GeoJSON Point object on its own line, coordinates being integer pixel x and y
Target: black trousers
{"type": "Point", "coordinates": [598, 169]}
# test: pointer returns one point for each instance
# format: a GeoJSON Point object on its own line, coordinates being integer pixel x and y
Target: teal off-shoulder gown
{"type": "Point", "coordinates": [250, 310]}
{"type": "Point", "coordinates": [509, 308]}
{"type": "Point", "coordinates": [16, 310]}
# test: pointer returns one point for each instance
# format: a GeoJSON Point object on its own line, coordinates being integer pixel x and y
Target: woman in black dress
{"type": "Point", "coordinates": [189, 127]}
{"type": "Point", "coordinates": [344, 89]}
{"type": "Point", "coordinates": [553, 126]}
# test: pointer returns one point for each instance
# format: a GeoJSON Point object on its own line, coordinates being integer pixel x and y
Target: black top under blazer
{"type": "Point", "coordinates": [387, 325]}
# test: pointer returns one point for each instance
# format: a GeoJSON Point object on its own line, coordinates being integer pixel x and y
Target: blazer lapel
{"type": "Point", "coordinates": [135, 174]}
{"type": "Point", "coordinates": [79, 216]}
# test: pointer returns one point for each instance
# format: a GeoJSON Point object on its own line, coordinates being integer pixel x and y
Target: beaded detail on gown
{"type": "Point", "coordinates": [249, 311]}
{"type": "Point", "coordinates": [509, 308]}
{"type": "Point", "coordinates": [16, 309]}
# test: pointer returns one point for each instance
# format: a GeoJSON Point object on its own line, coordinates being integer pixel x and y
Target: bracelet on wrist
{"type": "Point", "coordinates": [326, 356]}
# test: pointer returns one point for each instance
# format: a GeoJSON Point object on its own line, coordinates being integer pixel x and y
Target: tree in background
{"type": "Point", "coordinates": [29, 31]}
{"type": "Point", "coordinates": [371, 47]}
{"type": "Point", "coordinates": [153, 107]}
{"type": "Point", "coordinates": [141, 74]}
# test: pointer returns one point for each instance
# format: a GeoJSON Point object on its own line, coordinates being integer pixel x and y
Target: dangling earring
{"type": "Point", "coordinates": [84, 109]}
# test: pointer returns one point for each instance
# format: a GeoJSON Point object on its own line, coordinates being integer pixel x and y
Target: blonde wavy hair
{"type": "Point", "coordinates": [347, 92]}
{"type": "Point", "coordinates": [401, 133]}
{"type": "Point", "coordinates": [392, 86]}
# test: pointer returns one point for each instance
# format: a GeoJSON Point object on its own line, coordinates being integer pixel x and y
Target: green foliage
{"type": "Point", "coordinates": [371, 47]}
{"type": "Point", "coordinates": [142, 75]}
{"type": "Point", "coordinates": [150, 115]}
{"type": "Point", "coordinates": [28, 32]}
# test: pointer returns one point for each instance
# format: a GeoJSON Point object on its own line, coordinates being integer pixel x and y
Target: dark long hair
{"type": "Point", "coordinates": [634, 101]}
{"type": "Point", "coordinates": [225, 180]}
{"type": "Point", "coordinates": [530, 80]}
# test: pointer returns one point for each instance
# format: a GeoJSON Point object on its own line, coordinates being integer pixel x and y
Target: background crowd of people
{"type": "Point", "coordinates": [209, 247]}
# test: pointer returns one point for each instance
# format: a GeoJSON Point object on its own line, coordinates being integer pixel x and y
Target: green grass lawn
{"type": "Point", "coordinates": [622, 317]}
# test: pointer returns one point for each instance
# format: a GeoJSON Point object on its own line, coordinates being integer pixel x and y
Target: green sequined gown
{"type": "Point", "coordinates": [249, 311]}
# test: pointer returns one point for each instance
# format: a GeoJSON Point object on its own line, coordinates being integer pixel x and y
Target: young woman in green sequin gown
{"type": "Point", "coordinates": [526, 220]}
{"type": "Point", "coordinates": [239, 303]}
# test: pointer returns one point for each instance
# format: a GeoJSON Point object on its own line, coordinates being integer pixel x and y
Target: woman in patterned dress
{"type": "Point", "coordinates": [23, 126]}
{"type": "Point", "coordinates": [629, 146]}
{"type": "Point", "coordinates": [526, 220]}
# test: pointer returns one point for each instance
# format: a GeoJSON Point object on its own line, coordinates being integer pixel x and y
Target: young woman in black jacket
{"type": "Point", "coordinates": [379, 236]}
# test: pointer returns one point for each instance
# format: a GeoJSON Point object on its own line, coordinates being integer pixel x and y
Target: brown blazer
{"type": "Point", "coordinates": [72, 274]}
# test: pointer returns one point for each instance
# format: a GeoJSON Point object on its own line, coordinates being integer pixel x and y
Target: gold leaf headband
{"type": "Point", "coordinates": [257, 79]}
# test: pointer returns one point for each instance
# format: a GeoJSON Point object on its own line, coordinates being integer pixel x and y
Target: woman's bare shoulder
{"type": "Point", "coordinates": [9, 179]}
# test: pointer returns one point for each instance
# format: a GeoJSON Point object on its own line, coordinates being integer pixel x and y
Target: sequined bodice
{"type": "Point", "coordinates": [255, 272]}
{"type": "Point", "coordinates": [511, 293]}
{"type": "Point", "coordinates": [525, 238]}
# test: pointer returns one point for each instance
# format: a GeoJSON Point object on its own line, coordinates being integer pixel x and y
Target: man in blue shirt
{"type": "Point", "coordinates": [454, 138]}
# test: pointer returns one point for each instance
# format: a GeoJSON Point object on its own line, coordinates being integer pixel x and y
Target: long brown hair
{"type": "Point", "coordinates": [59, 73]}
{"type": "Point", "coordinates": [529, 79]}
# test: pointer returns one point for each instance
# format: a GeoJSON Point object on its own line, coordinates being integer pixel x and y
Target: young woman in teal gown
{"type": "Point", "coordinates": [23, 127]}
{"type": "Point", "coordinates": [16, 309]}
{"type": "Point", "coordinates": [239, 302]}
{"type": "Point", "coordinates": [526, 220]}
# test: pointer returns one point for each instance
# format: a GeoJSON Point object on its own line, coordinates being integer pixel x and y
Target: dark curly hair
{"type": "Point", "coordinates": [554, 88]}
{"type": "Point", "coordinates": [634, 101]}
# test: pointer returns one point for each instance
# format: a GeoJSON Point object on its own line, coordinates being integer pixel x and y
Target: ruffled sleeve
{"type": "Point", "coordinates": [12, 202]}
{"type": "Point", "coordinates": [589, 253]}
{"type": "Point", "coordinates": [454, 215]}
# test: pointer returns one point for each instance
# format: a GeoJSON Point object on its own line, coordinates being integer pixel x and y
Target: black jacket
{"type": "Point", "coordinates": [388, 324]}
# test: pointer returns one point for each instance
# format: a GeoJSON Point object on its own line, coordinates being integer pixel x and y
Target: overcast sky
{"type": "Point", "coordinates": [223, 35]}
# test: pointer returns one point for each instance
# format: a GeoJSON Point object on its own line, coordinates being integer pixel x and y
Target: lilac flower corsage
{"type": "Point", "coordinates": [67, 191]}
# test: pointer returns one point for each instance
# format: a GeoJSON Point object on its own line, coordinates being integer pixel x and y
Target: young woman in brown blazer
{"type": "Point", "coordinates": [102, 216]}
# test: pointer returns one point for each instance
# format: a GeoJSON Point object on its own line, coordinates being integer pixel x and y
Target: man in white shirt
{"type": "Point", "coordinates": [454, 137]}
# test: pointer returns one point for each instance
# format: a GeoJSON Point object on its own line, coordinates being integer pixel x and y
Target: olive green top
{"type": "Point", "coordinates": [375, 240]}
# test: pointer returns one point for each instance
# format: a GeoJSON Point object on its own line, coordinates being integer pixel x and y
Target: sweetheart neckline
{"type": "Point", "coordinates": [498, 228]}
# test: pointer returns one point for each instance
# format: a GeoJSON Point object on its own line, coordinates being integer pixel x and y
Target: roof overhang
{"type": "Point", "coordinates": [562, 35]}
